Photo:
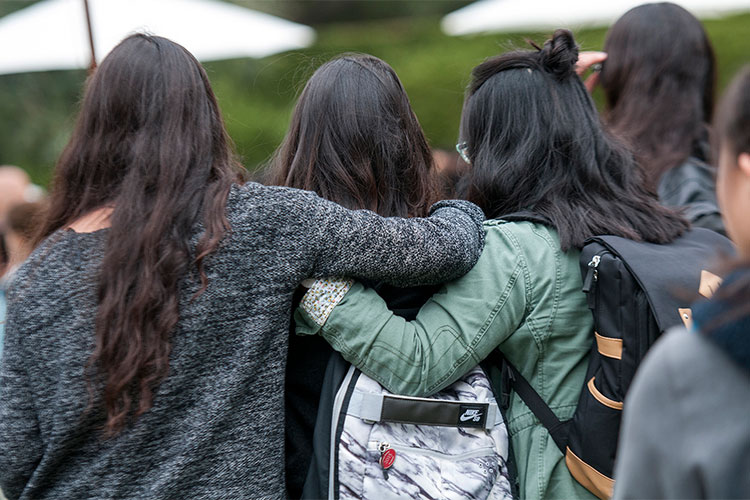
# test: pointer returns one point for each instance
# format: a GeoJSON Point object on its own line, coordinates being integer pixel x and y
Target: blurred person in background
{"type": "Point", "coordinates": [685, 431]}
{"type": "Point", "coordinates": [532, 137]}
{"type": "Point", "coordinates": [15, 189]}
{"type": "Point", "coordinates": [14, 183]}
{"type": "Point", "coordinates": [146, 335]}
{"type": "Point", "coordinates": [355, 140]}
{"type": "Point", "coordinates": [658, 80]}
{"type": "Point", "coordinates": [21, 224]}
{"type": "Point", "coordinates": [449, 168]}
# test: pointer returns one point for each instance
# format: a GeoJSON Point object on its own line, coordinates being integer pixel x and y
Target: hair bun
{"type": "Point", "coordinates": [559, 54]}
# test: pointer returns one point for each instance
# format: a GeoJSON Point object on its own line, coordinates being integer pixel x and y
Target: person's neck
{"type": "Point", "coordinates": [93, 221]}
{"type": "Point", "coordinates": [18, 255]}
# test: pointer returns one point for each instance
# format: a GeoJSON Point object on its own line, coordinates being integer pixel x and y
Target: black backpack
{"type": "Point", "coordinates": [635, 291]}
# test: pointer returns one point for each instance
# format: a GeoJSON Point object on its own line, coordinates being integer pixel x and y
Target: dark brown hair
{"type": "Point", "coordinates": [355, 140]}
{"type": "Point", "coordinates": [732, 129]}
{"type": "Point", "coordinates": [535, 143]}
{"type": "Point", "coordinates": [659, 80]}
{"type": "Point", "coordinates": [149, 143]}
{"type": "Point", "coordinates": [732, 126]}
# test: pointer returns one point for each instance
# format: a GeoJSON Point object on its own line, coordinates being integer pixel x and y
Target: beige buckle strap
{"type": "Point", "coordinates": [608, 346]}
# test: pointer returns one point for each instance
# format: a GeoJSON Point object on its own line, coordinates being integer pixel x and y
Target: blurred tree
{"type": "Point", "coordinates": [322, 11]}
{"type": "Point", "coordinates": [8, 6]}
{"type": "Point", "coordinates": [257, 96]}
{"type": "Point", "coordinates": [318, 12]}
{"type": "Point", "coordinates": [37, 111]}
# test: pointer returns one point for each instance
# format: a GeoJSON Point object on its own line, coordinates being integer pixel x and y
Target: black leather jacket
{"type": "Point", "coordinates": [692, 187]}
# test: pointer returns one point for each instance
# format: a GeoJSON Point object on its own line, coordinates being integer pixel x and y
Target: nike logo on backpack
{"type": "Point", "coordinates": [473, 415]}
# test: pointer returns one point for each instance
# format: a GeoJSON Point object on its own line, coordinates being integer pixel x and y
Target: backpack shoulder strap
{"type": "Point", "coordinates": [512, 379]}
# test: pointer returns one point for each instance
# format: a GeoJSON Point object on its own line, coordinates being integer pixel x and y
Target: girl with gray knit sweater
{"type": "Point", "coordinates": [146, 336]}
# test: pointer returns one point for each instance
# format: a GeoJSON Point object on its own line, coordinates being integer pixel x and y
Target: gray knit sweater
{"type": "Point", "coordinates": [216, 428]}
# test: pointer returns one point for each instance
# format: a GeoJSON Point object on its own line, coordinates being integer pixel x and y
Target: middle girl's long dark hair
{"type": "Point", "coordinates": [355, 140]}
{"type": "Point", "coordinates": [535, 143]}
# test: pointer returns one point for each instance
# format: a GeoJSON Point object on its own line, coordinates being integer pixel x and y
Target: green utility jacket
{"type": "Point", "coordinates": [523, 297]}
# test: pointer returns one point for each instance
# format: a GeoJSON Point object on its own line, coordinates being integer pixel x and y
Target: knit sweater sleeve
{"type": "Point", "coordinates": [453, 331]}
{"type": "Point", "coordinates": [334, 241]}
{"type": "Point", "coordinates": [398, 251]}
{"type": "Point", "coordinates": [20, 440]}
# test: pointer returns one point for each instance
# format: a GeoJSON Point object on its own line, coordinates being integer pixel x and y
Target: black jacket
{"type": "Point", "coordinates": [692, 187]}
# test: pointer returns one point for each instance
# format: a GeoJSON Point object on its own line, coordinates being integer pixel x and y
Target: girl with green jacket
{"type": "Point", "coordinates": [533, 139]}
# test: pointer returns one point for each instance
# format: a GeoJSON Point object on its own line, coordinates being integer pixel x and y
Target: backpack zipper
{"type": "Point", "coordinates": [382, 445]}
{"type": "Point", "coordinates": [592, 275]}
{"type": "Point", "coordinates": [387, 457]}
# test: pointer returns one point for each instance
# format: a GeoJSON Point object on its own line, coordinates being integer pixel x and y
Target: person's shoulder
{"type": "Point", "coordinates": [682, 182]}
{"type": "Point", "coordinates": [535, 247]}
{"type": "Point", "coordinates": [697, 165]}
{"type": "Point", "coordinates": [524, 236]}
{"type": "Point", "coordinates": [513, 226]}
{"type": "Point", "coordinates": [255, 191]}
{"type": "Point", "coordinates": [680, 359]}
{"type": "Point", "coordinates": [253, 203]}
{"type": "Point", "coordinates": [677, 346]}
{"type": "Point", "coordinates": [60, 271]}
{"type": "Point", "coordinates": [691, 168]}
{"type": "Point", "coordinates": [55, 260]}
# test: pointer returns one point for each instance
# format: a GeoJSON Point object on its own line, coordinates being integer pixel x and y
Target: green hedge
{"type": "Point", "coordinates": [257, 96]}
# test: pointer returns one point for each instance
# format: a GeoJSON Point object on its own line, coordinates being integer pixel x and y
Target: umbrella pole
{"type": "Point", "coordinates": [91, 36]}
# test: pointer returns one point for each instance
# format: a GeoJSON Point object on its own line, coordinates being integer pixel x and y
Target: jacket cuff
{"type": "Point", "coordinates": [322, 297]}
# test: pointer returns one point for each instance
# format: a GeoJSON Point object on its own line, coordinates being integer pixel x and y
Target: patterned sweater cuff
{"type": "Point", "coordinates": [323, 296]}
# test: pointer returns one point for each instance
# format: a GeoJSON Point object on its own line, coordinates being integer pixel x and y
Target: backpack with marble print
{"type": "Point", "coordinates": [372, 444]}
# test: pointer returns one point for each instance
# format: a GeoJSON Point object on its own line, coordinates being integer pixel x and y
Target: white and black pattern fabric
{"type": "Point", "coordinates": [462, 454]}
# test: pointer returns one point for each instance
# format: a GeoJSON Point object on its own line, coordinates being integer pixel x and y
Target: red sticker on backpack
{"type": "Point", "coordinates": [387, 458]}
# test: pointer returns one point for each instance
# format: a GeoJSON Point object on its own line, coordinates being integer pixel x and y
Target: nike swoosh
{"type": "Point", "coordinates": [464, 418]}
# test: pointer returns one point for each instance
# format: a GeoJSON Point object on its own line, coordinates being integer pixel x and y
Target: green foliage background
{"type": "Point", "coordinates": [257, 96]}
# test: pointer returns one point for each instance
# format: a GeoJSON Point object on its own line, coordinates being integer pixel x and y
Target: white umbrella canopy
{"type": "Point", "coordinates": [487, 16]}
{"type": "Point", "coordinates": [53, 34]}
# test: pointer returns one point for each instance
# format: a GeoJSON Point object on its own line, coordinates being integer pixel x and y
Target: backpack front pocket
{"type": "Point", "coordinates": [424, 466]}
{"type": "Point", "coordinates": [453, 445]}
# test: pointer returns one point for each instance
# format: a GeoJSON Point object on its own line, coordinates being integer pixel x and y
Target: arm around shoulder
{"type": "Point", "coordinates": [327, 239]}
{"type": "Point", "coordinates": [456, 329]}
{"type": "Point", "coordinates": [404, 252]}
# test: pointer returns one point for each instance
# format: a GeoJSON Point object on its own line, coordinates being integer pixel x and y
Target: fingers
{"type": "Point", "coordinates": [587, 58]}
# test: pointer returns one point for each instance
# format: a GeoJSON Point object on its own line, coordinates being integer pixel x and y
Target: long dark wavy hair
{"type": "Point", "coordinates": [659, 80]}
{"type": "Point", "coordinates": [355, 140]}
{"type": "Point", "coordinates": [535, 143]}
{"type": "Point", "coordinates": [150, 144]}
